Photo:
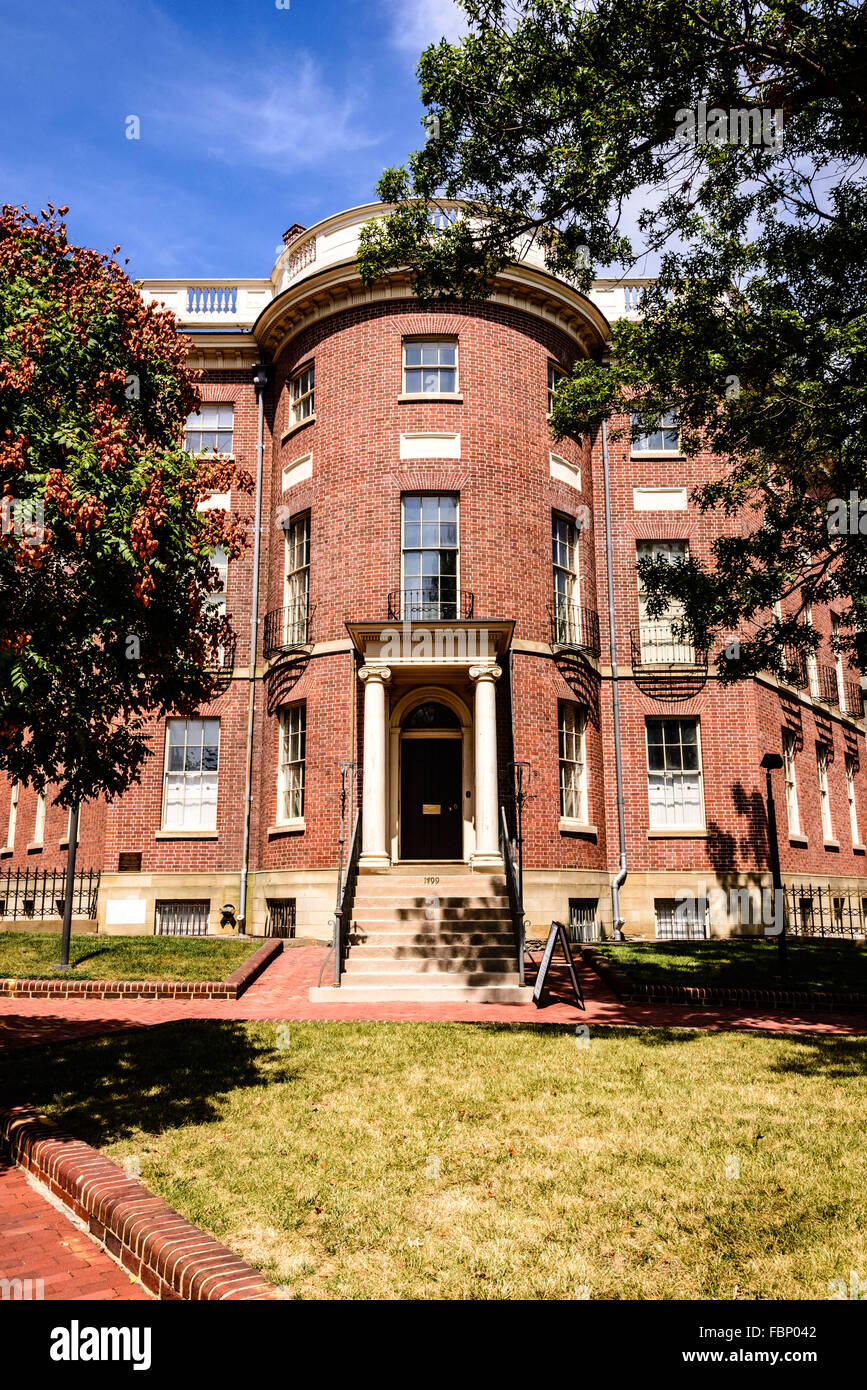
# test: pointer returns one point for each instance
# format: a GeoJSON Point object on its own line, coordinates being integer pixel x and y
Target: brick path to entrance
{"type": "Point", "coordinates": [37, 1241]}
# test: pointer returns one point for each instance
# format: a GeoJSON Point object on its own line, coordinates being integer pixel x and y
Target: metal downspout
{"type": "Point", "coordinates": [260, 381]}
{"type": "Point", "coordinates": [620, 877]}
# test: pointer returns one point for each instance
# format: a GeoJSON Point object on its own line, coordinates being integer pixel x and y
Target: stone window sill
{"type": "Point", "coordinates": [421, 397]}
{"type": "Point", "coordinates": [64, 843]}
{"type": "Point", "coordinates": [187, 835]}
{"type": "Point", "coordinates": [287, 827]}
{"type": "Point", "coordinates": [6, 851]}
{"type": "Point", "coordinates": [299, 425]}
{"type": "Point", "coordinates": [35, 848]}
{"type": "Point", "coordinates": [859, 849]}
{"type": "Point", "coordinates": [832, 844]}
{"type": "Point", "coordinates": [799, 840]}
{"type": "Point", "coordinates": [653, 454]}
{"type": "Point", "coordinates": [678, 832]}
{"type": "Point", "coordinates": [576, 827]}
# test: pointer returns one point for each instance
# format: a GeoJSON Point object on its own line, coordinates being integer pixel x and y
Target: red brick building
{"type": "Point", "coordinates": [433, 607]}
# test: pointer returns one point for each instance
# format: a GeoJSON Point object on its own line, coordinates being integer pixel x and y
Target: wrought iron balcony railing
{"type": "Point", "coordinates": [657, 644]}
{"type": "Point", "coordinates": [574, 628]}
{"type": "Point", "coordinates": [430, 605]}
{"type": "Point", "coordinates": [794, 670]}
{"type": "Point", "coordinates": [287, 628]}
{"type": "Point", "coordinates": [826, 688]}
{"type": "Point", "coordinates": [854, 699]}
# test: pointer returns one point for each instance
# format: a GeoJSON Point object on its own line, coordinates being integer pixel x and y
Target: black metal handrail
{"type": "Point", "coordinates": [657, 645]}
{"type": "Point", "coordinates": [422, 606]}
{"type": "Point", "coordinates": [345, 899]}
{"type": "Point", "coordinates": [287, 628]}
{"type": "Point", "coordinates": [37, 894]}
{"type": "Point", "coordinates": [575, 627]}
{"type": "Point", "coordinates": [516, 905]}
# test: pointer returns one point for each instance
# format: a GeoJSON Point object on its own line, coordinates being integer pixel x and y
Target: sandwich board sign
{"type": "Point", "coordinates": [557, 933]}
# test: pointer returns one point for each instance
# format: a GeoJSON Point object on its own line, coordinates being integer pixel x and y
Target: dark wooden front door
{"type": "Point", "coordinates": [431, 824]}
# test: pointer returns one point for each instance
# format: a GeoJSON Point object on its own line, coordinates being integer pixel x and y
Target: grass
{"type": "Point", "coordinates": [446, 1161]}
{"type": "Point", "coordinates": [32, 956]}
{"type": "Point", "coordinates": [744, 964]}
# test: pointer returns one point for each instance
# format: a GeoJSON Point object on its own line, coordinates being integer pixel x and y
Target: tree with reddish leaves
{"type": "Point", "coordinates": [106, 582]}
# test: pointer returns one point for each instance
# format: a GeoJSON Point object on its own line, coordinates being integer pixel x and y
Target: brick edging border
{"type": "Point", "coordinates": [231, 988]}
{"type": "Point", "coordinates": [173, 1258]}
{"type": "Point", "coordinates": [631, 991]}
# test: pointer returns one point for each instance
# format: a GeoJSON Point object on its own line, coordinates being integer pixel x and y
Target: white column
{"type": "Point", "coordinates": [487, 853]}
{"type": "Point", "coordinates": [374, 849]}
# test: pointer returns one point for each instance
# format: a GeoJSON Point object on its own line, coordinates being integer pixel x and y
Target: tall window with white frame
{"type": "Point", "coordinates": [573, 763]}
{"type": "Point", "coordinates": [302, 395]}
{"type": "Point", "coordinates": [660, 436]}
{"type": "Point", "coordinates": [39, 826]}
{"type": "Point", "coordinates": [430, 367]}
{"type": "Point", "coordinates": [293, 753]}
{"type": "Point", "coordinates": [564, 554]}
{"type": "Point", "coordinates": [210, 430]}
{"type": "Point", "coordinates": [430, 553]}
{"type": "Point", "coordinates": [793, 812]}
{"type": "Point", "coordinates": [824, 791]}
{"type": "Point", "coordinates": [296, 599]}
{"type": "Point", "coordinates": [674, 778]}
{"type": "Point", "coordinates": [658, 637]}
{"type": "Point", "coordinates": [812, 660]}
{"type": "Point", "coordinates": [191, 773]}
{"type": "Point", "coordinates": [851, 769]}
{"type": "Point", "coordinates": [555, 376]}
{"type": "Point", "coordinates": [13, 816]}
{"type": "Point", "coordinates": [839, 670]}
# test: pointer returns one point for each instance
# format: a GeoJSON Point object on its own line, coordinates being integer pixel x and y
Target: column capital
{"type": "Point", "coordinates": [481, 673]}
{"type": "Point", "coordinates": [375, 673]}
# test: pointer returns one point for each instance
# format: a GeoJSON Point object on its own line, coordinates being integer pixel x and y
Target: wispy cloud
{"type": "Point", "coordinates": [285, 117]}
{"type": "Point", "coordinates": [416, 23]}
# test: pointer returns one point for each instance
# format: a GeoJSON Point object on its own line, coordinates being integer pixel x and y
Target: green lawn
{"type": "Point", "coordinates": [746, 964]}
{"type": "Point", "coordinates": [358, 1160]}
{"type": "Point", "coordinates": [32, 956]}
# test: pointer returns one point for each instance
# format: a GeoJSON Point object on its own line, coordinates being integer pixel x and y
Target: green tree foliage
{"type": "Point", "coordinates": [570, 123]}
{"type": "Point", "coordinates": [105, 561]}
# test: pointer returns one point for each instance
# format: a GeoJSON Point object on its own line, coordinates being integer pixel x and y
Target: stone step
{"type": "Point", "coordinates": [401, 991]}
{"type": "Point", "coordinates": [461, 890]}
{"type": "Point", "coordinates": [427, 966]}
{"type": "Point", "coordinates": [367, 911]}
{"type": "Point", "coordinates": [395, 934]}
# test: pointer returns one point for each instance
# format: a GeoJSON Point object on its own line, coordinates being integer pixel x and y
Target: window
{"type": "Point", "coordinates": [674, 773]}
{"type": "Point", "coordinates": [658, 637]}
{"type": "Point", "coordinates": [183, 918]}
{"type": "Point", "coordinates": [13, 816]}
{"type": "Point", "coordinates": [290, 782]}
{"type": "Point", "coordinates": [430, 368]}
{"type": "Point", "coordinates": [838, 663]}
{"type": "Point", "coordinates": [192, 761]}
{"type": "Point", "coordinates": [280, 920]}
{"type": "Point", "coordinates": [662, 438]}
{"type": "Point", "coordinates": [792, 810]}
{"type": "Point", "coordinates": [296, 591]}
{"type": "Point", "coordinates": [217, 599]}
{"type": "Point", "coordinates": [564, 554]}
{"type": "Point", "coordinates": [39, 825]}
{"type": "Point", "coordinates": [850, 793]}
{"type": "Point", "coordinates": [583, 921]}
{"type": "Point", "coordinates": [210, 430]}
{"type": "Point", "coordinates": [430, 557]}
{"type": "Point", "coordinates": [824, 793]}
{"type": "Point", "coordinates": [573, 766]}
{"type": "Point", "coordinates": [302, 395]}
{"type": "Point", "coordinates": [555, 376]}
{"type": "Point", "coordinates": [812, 662]}
{"type": "Point", "coordinates": [680, 919]}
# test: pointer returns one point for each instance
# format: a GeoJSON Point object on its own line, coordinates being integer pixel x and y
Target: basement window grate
{"type": "Point", "coordinates": [183, 918]}
{"type": "Point", "coordinates": [281, 917]}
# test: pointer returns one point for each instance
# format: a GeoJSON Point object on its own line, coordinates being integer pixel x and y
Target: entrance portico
{"type": "Point", "coordinates": [430, 787]}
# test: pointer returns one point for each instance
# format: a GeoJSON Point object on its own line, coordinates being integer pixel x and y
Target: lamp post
{"type": "Point", "coordinates": [772, 762]}
{"type": "Point", "coordinates": [520, 776]}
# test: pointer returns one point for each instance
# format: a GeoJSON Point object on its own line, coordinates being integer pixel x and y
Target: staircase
{"type": "Point", "coordinates": [411, 940]}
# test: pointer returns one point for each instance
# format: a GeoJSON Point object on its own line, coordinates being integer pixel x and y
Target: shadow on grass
{"type": "Point", "coordinates": [157, 1078]}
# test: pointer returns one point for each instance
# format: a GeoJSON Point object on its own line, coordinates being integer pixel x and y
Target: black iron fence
{"type": "Point", "coordinates": [38, 894]}
{"type": "Point", "coordinates": [816, 911]}
{"type": "Point", "coordinates": [437, 602]}
{"type": "Point", "coordinates": [287, 628]}
{"type": "Point", "coordinates": [575, 626]}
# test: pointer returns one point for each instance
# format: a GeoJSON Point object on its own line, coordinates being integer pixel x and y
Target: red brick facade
{"type": "Point", "coordinates": [507, 492]}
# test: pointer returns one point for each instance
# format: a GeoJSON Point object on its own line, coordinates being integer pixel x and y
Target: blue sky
{"type": "Point", "coordinates": [251, 118]}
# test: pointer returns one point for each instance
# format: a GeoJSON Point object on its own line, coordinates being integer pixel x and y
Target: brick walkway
{"type": "Point", "coordinates": [281, 993]}
{"type": "Point", "coordinates": [37, 1242]}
